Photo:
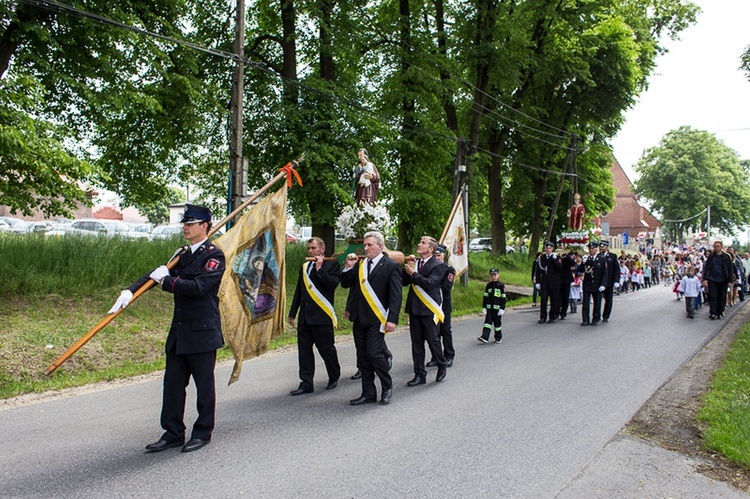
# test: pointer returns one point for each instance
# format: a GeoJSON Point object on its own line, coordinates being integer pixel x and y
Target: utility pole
{"type": "Point", "coordinates": [237, 168]}
{"type": "Point", "coordinates": [461, 188]}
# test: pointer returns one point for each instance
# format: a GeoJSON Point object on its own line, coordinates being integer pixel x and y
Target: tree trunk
{"type": "Point", "coordinates": [289, 50]}
{"type": "Point", "coordinates": [495, 191]}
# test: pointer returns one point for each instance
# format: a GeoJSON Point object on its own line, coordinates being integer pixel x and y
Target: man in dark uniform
{"type": "Point", "coordinates": [717, 274]}
{"type": "Point", "coordinates": [594, 278]}
{"type": "Point", "coordinates": [313, 297]}
{"type": "Point", "coordinates": [446, 285]}
{"type": "Point", "coordinates": [373, 308]}
{"type": "Point", "coordinates": [424, 306]}
{"type": "Point", "coordinates": [195, 333]}
{"type": "Point", "coordinates": [547, 279]}
{"type": "Point", "coordinates": [613, 277]}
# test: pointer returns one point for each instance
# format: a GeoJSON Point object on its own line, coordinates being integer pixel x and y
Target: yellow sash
{"type": "Point", "coordinates": [429, 303]}
{"type": "Point", "coordinates": [317, 296]}
{"type": "Point", "coordinates": [372, 299]}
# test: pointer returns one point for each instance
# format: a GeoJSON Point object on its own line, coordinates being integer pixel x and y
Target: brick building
{"type": "Point", "coordinates": [628, 215]}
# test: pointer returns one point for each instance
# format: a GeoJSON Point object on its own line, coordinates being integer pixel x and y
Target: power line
{"type": "Point", "coordinates": [686, 219]}
{"type": "Point", "coordinates": [55, 6]}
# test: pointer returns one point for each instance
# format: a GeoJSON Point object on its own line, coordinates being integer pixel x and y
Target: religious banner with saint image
{"type": "Point", "coordinates": [252, 293]}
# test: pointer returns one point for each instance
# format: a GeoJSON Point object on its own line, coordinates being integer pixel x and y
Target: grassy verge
{"type": "Point", "coordinates": [56, 290]}
{"type": "Point", "coordinates": [726, 407]}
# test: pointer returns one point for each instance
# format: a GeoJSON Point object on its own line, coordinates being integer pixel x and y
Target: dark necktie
{"type": "Point", "coordinates": [369, 267]}
{"type": "Point", "coordinates": [419, 265]}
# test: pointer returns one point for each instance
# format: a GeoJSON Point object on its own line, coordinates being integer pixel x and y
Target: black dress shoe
{"type": "Point", "coordinates": [163, 445]}
{"type": "Point", "coordinates": [550, 321]}
{"type": "Point", "coordinates": [362, 400]}
{"type": "Point", "coordinates": [449, 363]}
{"type": "Point", "coordinates": [431, 363]}
{"type": "Point", "coordinates": [195, 444]}
{"type": "Point", "coordinates": [418, 380]}
{"type": "Point", "coordinates": [584, 323]}
{"type": "Point", "coordinates": [594, 323]}
{"type": "Point", "coordinates": [387, 394]}
{"type": "Point", "coordinates": [357, 375]}
{"type": "Point", "coordinates": [299, 391]}
{"type": "Point", "coordinates": [389, 360]}
{"type": "Point", "coordinates": [332, 384]}
{"type": "Point", "coordinates": [441, 374]}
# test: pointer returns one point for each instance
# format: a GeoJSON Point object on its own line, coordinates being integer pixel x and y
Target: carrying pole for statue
{"type": "Point", "coordinates": [287, 171]}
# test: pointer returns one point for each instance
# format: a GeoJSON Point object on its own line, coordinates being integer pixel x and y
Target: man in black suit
{"type": "Point", "coordinates": [594, 278]}
{"type": "Point", "coordinates": [195, 333]}
{"type": "Point", "coordinates": [373, 308]}
{"type": "Point", "coordinates": [547, 279]}
{"type": "Point", "coordinates": [313, 297]}
{"type": "Point", "coordinates": [613, 277]}
{"type": "Point", "coordinates": [424, 306]}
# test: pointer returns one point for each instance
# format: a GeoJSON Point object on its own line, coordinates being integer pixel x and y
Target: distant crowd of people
{"type": "Point", "coordinates": [700, 275]}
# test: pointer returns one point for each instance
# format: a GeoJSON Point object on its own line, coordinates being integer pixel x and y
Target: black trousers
{"type": "Point", "coordinates": [588, 296]}
{"type": "Point", "coordinates": [446, 334]}
{"type": "Point", "coordinates": [176, 378]}
{"type": "Point", "coordinates": [322, 338]}
{"type": "Point", "coordinates": [608, 296]}
{"type": "Point", "coordinates": [563, 299]}
{"type": "Point", "coordinates": [371, 358]}
{"type": "Point", "coordinates": [553, 296]}
{"type": "Point", "coordinates": [493, 324]}
{"type": "Point", "coordinates": [717, 297]}
{"type": "Point", "coordinates": [423, 329]}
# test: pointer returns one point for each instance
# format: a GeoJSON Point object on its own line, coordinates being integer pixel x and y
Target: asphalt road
{"type": "Point", "coordinates": [535, 416]}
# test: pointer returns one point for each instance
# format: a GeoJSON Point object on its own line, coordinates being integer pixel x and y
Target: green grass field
{"type": "Point", "coordinates": [726, 407]}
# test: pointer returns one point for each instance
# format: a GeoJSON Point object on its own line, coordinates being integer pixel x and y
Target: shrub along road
{"type": "Point", "coordinates": [539, 415]}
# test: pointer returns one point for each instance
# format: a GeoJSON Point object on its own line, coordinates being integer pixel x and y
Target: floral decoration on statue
{"type": "Point", "coordinates": [356, 220]}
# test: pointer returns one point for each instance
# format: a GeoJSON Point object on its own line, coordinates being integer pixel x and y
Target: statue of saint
{"type": "Point", "coordinates": [366, 179]}
{"type": "Point", "coordinates": [576, 214]}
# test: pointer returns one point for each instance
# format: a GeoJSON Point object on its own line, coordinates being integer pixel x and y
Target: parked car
{"type": "Point", "coordinates": [305, 233]}
{"type": "Point", "coordinates": [11, 221]}
{"type": "Point", "coordinates": [98, 227]}
{"type": "Point", "coordinates": [139, 231]}
{"type": "Point", "coordinates": [60, 229]}
{"type": "Point", "coordinates": [292, 238]}
{"type": "Point", "coordinates": [4, 226]}
{"type": "Point", "coordinates": [20, 227]}
{"type": "Point", "coordinates": [166, 231]}
{"type": "Point", "coordinates": [40, 227]}
{"type": "Point", "coordinates": [485, 244]}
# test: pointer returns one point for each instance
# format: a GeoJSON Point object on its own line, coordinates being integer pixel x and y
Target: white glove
{"type": "Point", "coordinates": [159, 273]}
{"type": "Point", "coordinates": [601, 288]}
{"type": "Point", "coordinates": [554, 256]}
{"type": "Point", "coordinates": [538, 286]}
{"type": "Point", "coordinates": [122, 301]}
{"type": "Point", "coordinates": [500, 311]}
{"type": "Point", "coordinates": [617, 285]}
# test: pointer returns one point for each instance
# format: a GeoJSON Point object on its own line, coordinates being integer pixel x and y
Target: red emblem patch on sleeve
{"type": "Point", "coordinates": [450, 277]}
{"type": "Point", "coordinates": [211, 264]}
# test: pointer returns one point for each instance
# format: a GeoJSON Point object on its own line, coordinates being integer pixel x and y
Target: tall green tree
{"type": "Point", "coordinates": [135, 107]}
{"type": "Point", "coordinates": [690, 170]}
